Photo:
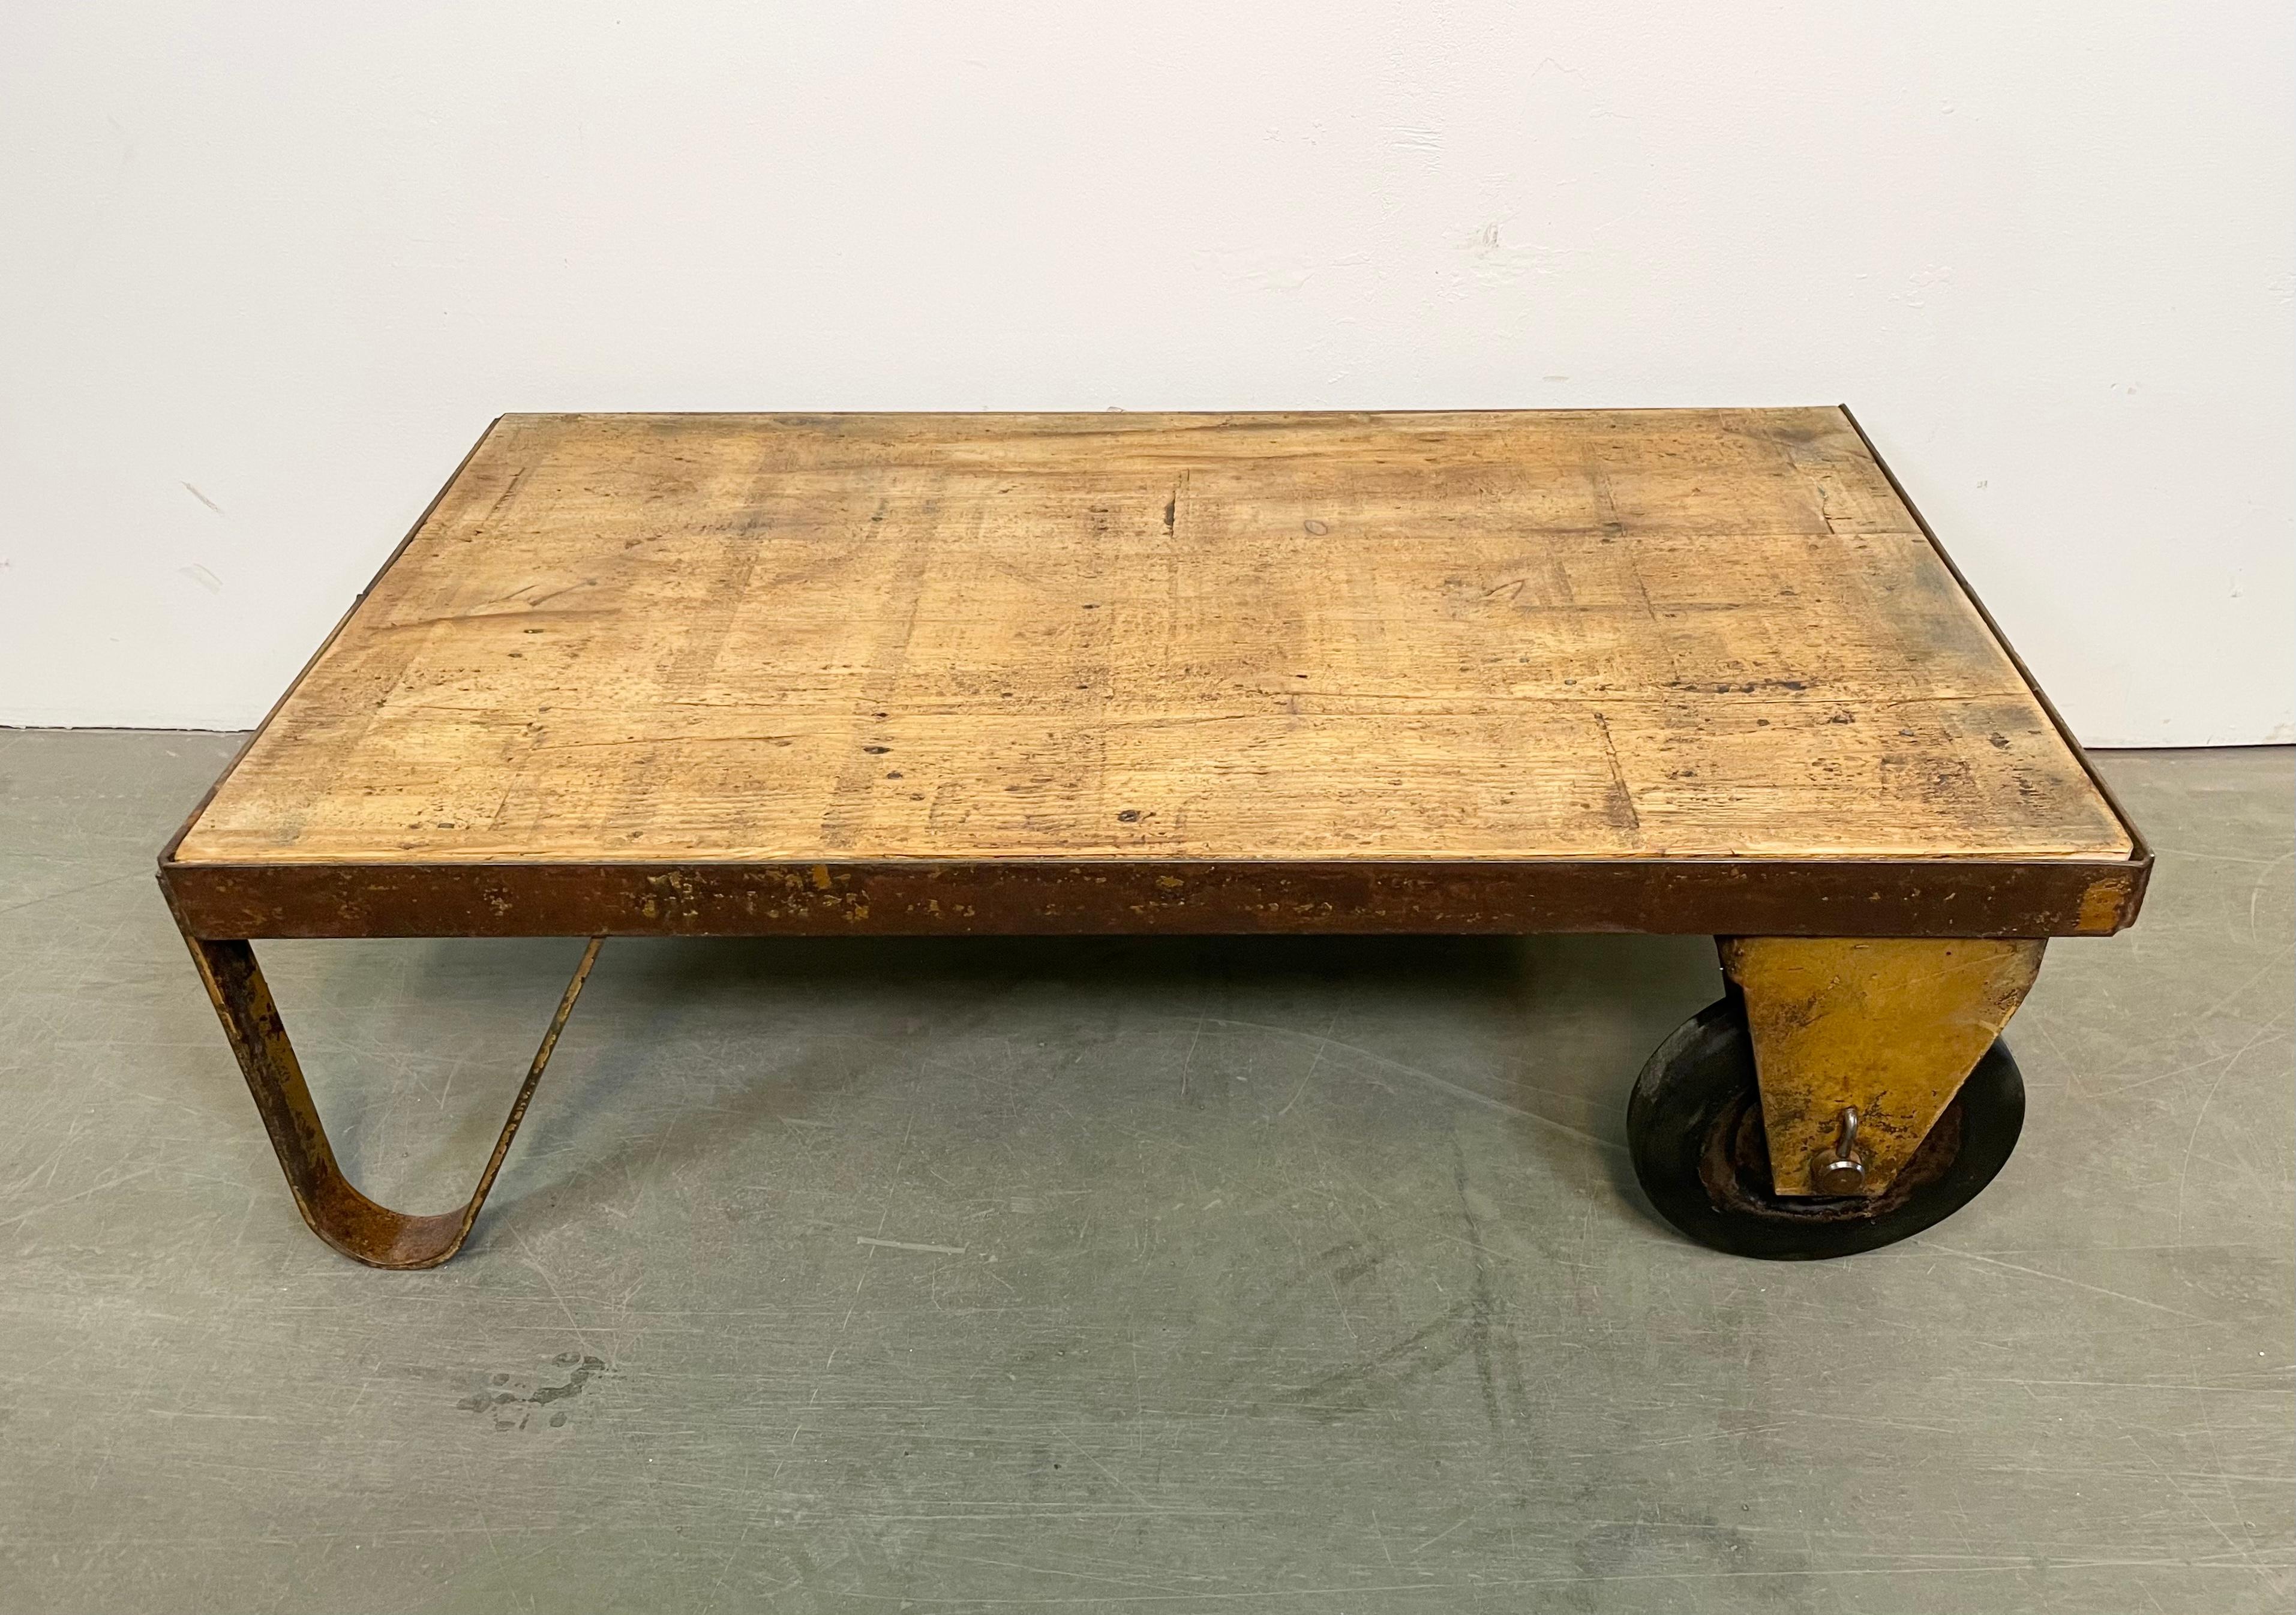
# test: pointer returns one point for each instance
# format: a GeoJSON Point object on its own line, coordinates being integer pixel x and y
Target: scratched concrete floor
{"type": "Point", "coordinates": [1161, 1277]}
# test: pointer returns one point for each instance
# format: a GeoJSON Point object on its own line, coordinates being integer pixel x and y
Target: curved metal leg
{"type": "Point", "coordinates": [337, 1212]}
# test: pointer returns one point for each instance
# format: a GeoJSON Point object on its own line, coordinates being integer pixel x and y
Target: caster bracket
{"type": "Point", "coordinates": [1885, 1030]}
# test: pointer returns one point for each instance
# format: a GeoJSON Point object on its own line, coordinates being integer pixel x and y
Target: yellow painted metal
{"type": "Point", "coordinates": [1890, 1026]}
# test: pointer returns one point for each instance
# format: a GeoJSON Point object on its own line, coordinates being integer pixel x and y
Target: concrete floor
{"type": "Point", "coordinates": [1161, 1277]}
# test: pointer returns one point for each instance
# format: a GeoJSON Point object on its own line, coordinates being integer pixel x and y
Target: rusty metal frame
{"type": "Point", "coordinates": [1683, 896]}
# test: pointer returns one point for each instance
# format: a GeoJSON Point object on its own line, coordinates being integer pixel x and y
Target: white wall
{"type": "Point", "coordinates": [268, 267]}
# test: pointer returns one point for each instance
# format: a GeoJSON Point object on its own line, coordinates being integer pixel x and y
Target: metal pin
{"type": "Point", "coordinates": [1839, 1170]}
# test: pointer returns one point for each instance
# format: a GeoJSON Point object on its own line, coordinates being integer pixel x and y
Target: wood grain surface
{"type": "Point", "coordinates": [1504, 635]}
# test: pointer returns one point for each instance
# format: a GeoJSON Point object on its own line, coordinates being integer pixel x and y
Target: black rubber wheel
{"type": "Point", "coordinates": [1695, 1127]}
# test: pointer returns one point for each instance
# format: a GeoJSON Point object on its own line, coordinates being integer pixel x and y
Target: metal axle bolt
{"type": "Point", "coordinates": [1839, 1170]}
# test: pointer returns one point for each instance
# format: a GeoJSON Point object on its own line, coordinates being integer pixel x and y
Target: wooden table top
{"type": "Point", "coordinates": [1635, 635]}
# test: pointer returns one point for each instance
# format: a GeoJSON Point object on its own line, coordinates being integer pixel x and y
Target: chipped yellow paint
{"type": "Point", "coordinates": [1892, 1027]}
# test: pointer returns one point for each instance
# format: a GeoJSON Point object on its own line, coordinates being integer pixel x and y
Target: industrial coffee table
{"type": "Point", "coordinates": [1692, 671]}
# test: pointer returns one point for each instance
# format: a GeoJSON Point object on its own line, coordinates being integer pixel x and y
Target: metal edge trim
{"type": "Point", "coordinates": [2140, 856]}
{"type": "Point", "coordinates": [167, 853]}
